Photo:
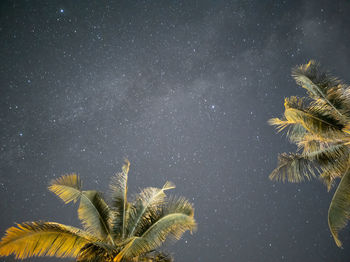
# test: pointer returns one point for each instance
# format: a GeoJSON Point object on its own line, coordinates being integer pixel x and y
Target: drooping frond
{"type": "Point", "coordinates": [330, 158]}
{"type": "Point", "coordinates": [67, 187]}
{"type": "Point", "coordinates": [339, 209]}
{"type": "Point", "coordinates": [94, 214]}
{"type": "Point", "coordinates": [93, 210]}
{"type": "Point", "coordinates": [119, 188]}
{"type": "Point", "coordinates": [294, 168]}
{"type": "Point", "coordinates": [43, 239]}
{"type": "Point", "coordinates": [318, 125]}
{"type": "Point", "coordinates": [332, 169]}
{"type": "Point", "coordinates": [149, 200]}
{"type": "Point", "coordinates": [320, 150]}
{"type": "Point", "coordinates": [171, 225]}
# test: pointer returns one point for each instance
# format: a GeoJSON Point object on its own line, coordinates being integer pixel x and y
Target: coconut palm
{"type": "Point", "coordinates": [319, 125]}
{"type": "Point", "coordinates": [121, 231]}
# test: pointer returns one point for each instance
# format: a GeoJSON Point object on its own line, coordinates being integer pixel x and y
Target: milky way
{"type": "Point", "coordinates": [184, 90]}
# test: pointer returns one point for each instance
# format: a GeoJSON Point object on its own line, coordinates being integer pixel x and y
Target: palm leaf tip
{"type": "Point", "coordinates": [43, 239]}
{"type": "Point", "coordinates": [339, 209]}
{"type": "Point", "coordinates": [126, 166]}
{"type": "Point", "coordinates": [279, 123]}
{"type": "Point", "coordinates": [168, 185]}
{"type": "Point", "coordinates": [67, 187]}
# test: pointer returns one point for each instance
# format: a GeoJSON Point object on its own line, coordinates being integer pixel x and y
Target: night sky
{"type": "Point", "coordinates": [184, 90]}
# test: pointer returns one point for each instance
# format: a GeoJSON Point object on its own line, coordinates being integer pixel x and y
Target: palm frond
{"type": "Point", "coordinates": [315, 81]}
{"type": "Point", "coordinates": [339, 209]}
{"type": "Point", "coordinates": [149, 199]}
{"type": "Point", "coordinates": [294, 168]}
{"type": "Point", "coordinates": [170, 206]}
{"type": "Point", "coordinates": [324, 128]}
{"type": "Point", "coordinates": [67, 187]}
{"type": "Point", "coordinates": [119, 188]}
{"type": "Point", "coordinates": [320, 150]}
{"type": "Point", "coordinates": [170, 226]}
{"type": "Point", "coordinates": [95, 214]}
{"type": "Point", "coordinates": [331, 158]}
{"type": "Point", "coordinates": [97, 252]}
{"type": "Point", "coordinates": [324, 110]}
{"type": "Point", "coordinates": [331, 170]}
{"type": "Point", "coordinates": [316, 119]}
{"type": "Point", "coordinates": [297, 133]}
{"type": "Point", "coordinates": [43, 239]}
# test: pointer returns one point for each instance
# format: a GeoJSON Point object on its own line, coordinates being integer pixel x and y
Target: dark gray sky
{"type": "Point", "coordinates": [181, 88]}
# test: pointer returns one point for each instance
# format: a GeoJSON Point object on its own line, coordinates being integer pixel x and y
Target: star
{"type": "Point", "coordinates": [61, 10]}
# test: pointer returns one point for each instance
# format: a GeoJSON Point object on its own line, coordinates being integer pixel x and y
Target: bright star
{"type": "Point", "coordinates": [61, 10]}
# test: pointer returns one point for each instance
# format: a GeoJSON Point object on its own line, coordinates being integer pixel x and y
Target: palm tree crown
{"type": "Point", "coordinates": [319, 125]}
{"type": "Point", "coordinates": [121, 231]}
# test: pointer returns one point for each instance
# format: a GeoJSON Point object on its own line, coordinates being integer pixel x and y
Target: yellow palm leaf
{"type": "Point", "coordinates": [43, 239]}
{"type": "Point", "coordinates": [314, 124]}
{"type": "Point", "coordinates": [67, 187]}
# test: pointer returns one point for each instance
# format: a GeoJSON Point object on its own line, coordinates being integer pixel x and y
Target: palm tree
{"type": "Point", "coordinates": [319, 125]}
{"type": "Point", "coordinates": [121, 231]}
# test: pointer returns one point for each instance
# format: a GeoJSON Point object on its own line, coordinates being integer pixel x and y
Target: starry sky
{"type": "Point", "coordinates": [184, 90]}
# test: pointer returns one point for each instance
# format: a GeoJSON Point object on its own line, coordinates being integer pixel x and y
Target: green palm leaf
{"type": "Point", "coordinates": [171, 225]}
{"type": "Point", "coordinates": [325, 128]}
{"type": "Point", "coordinates": [43, 239]}
{"type": "Point", "coordinates": [94, 214]}
{"type": "Point", "coordinates": [339, 209]}
{"type": "Point", "coordinates": [119, 188]}
{"type": "Point", "coordinates": [147, 201]}
{"type": "Point", "coordinates": [67, 187]}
